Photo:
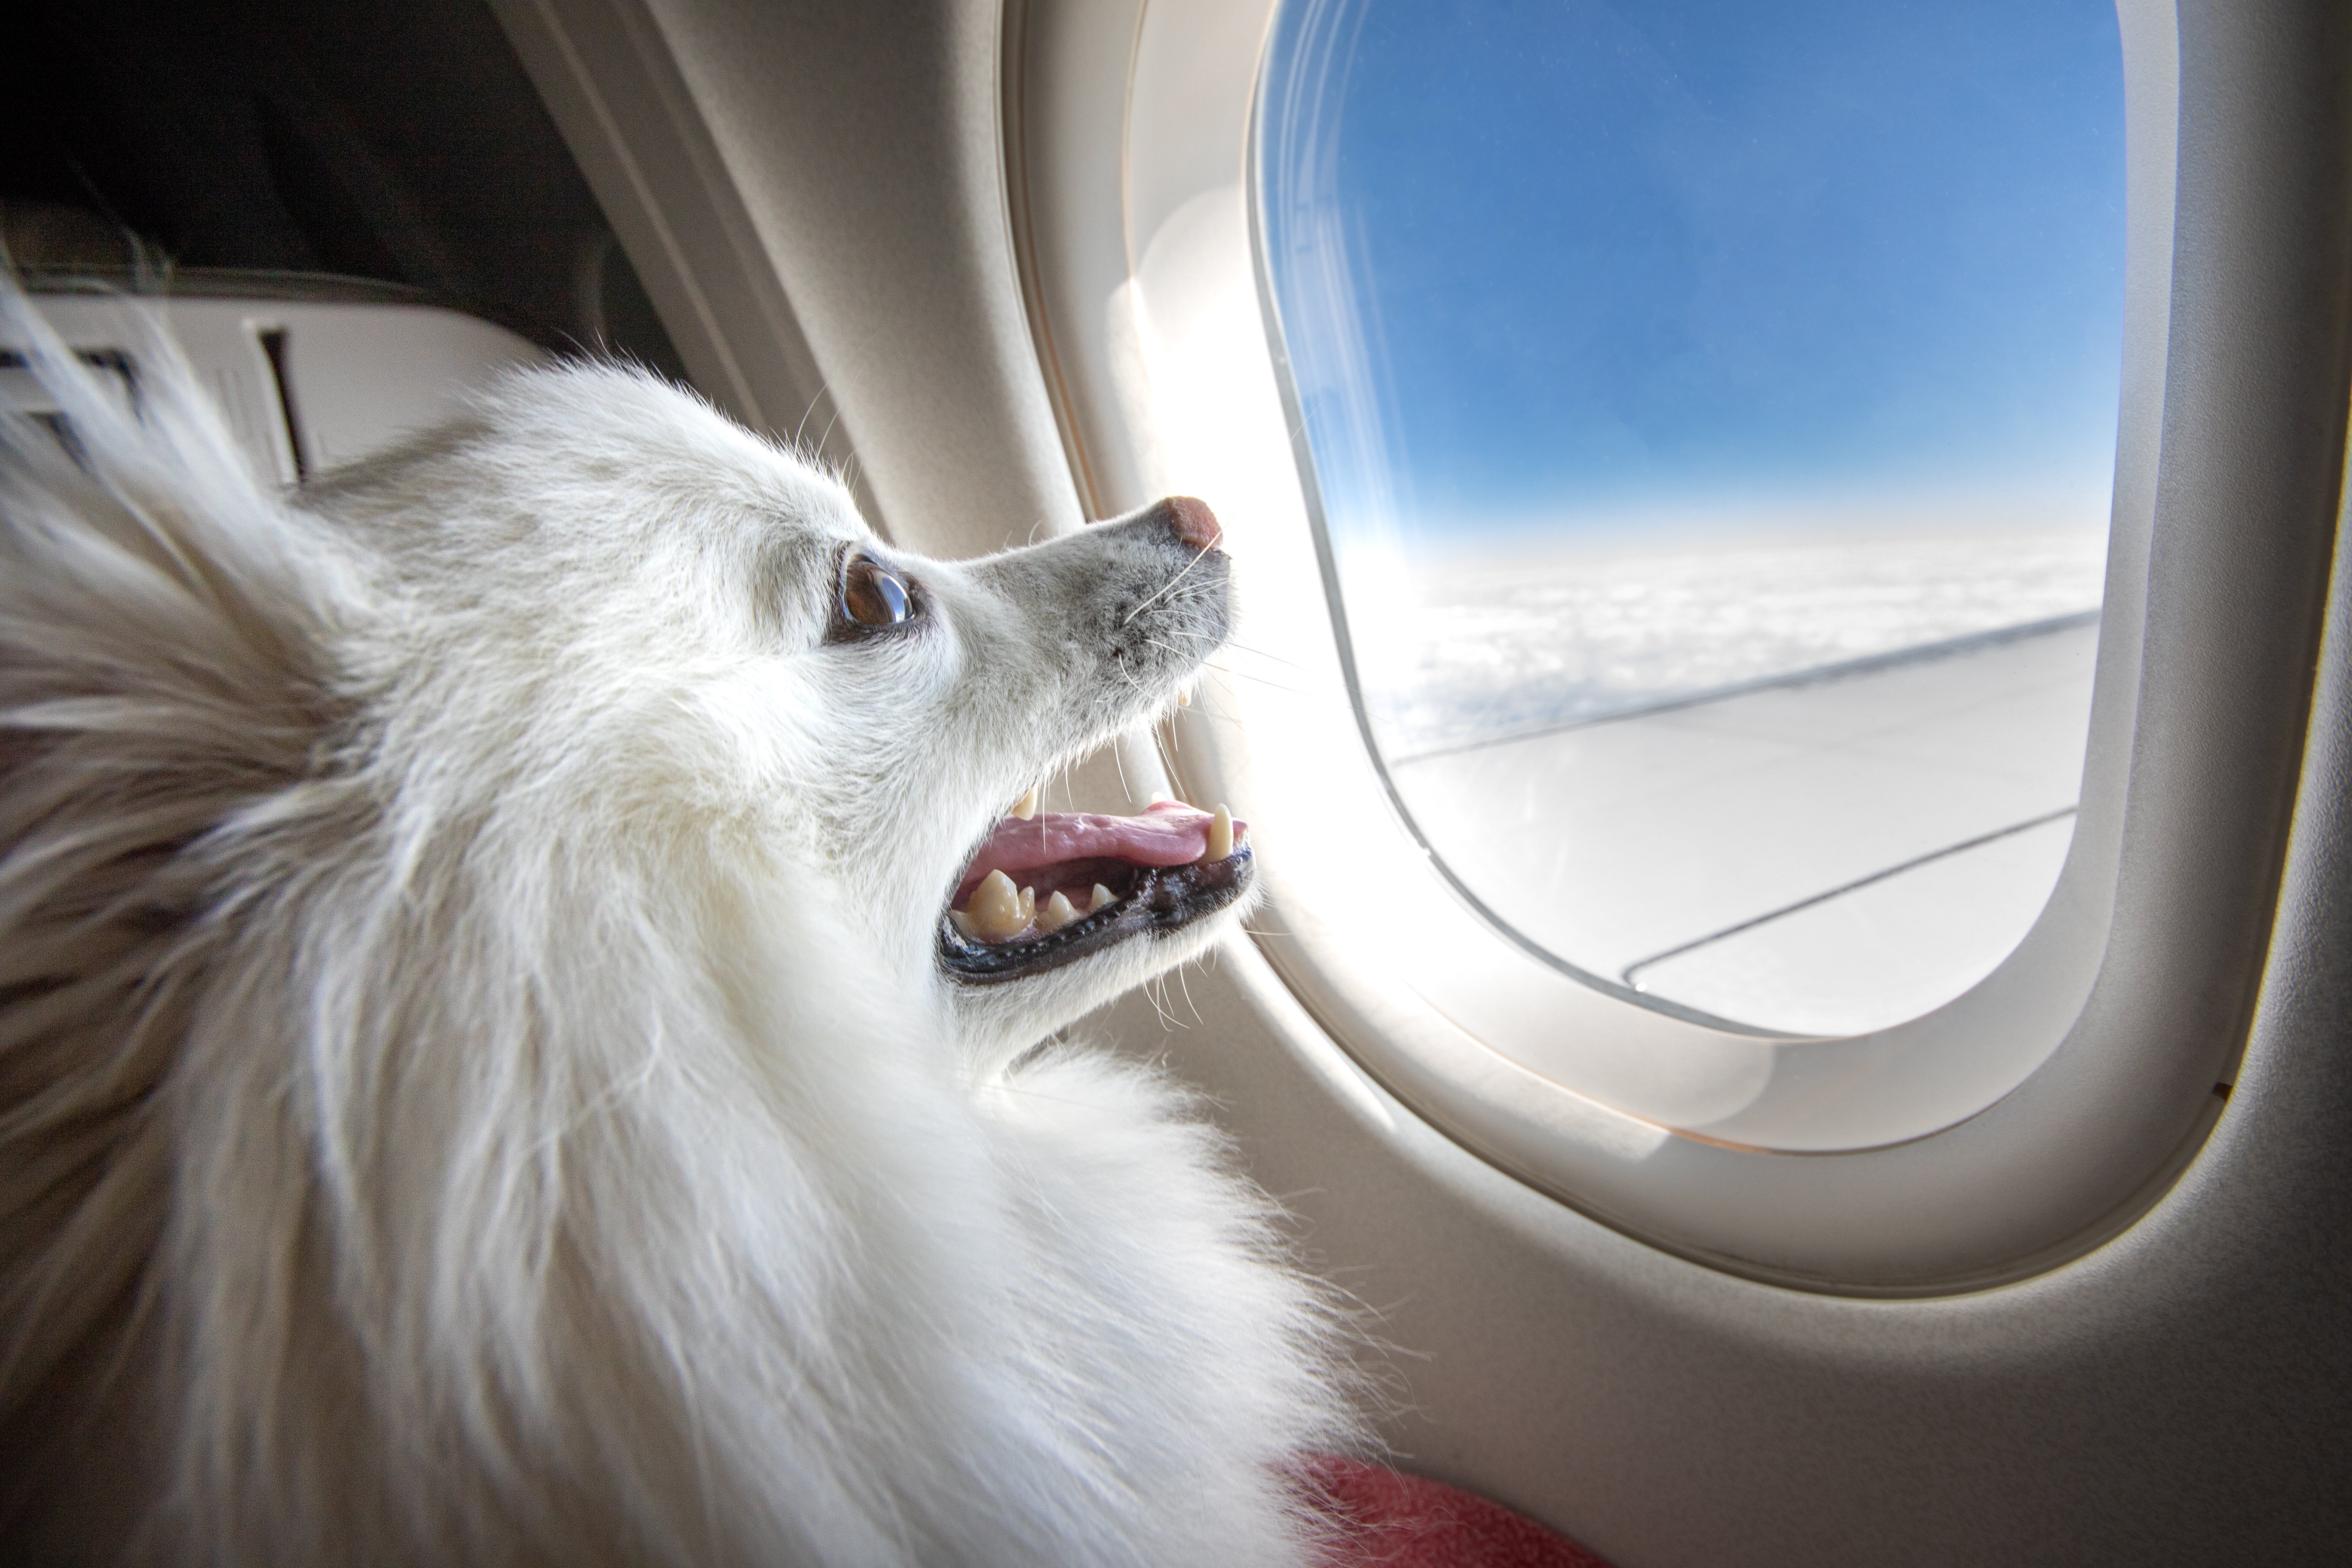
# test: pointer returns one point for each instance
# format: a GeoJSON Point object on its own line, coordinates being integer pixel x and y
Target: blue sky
{"type": "Point", "coordinates": [1605, 256]}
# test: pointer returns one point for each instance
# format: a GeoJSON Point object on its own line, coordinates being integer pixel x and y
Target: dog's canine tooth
{"type": "Point", "coordinates": [995, 909]}
{"type": "Point", "coordinates": [964, 923]}
{"type": "Point", "coordinates": [1184, 698]}
{"type": "Point", "coordinates": [1058, 912]}
{"type": "Point", "coordinates": [1102, 898]}
{"type": "Point", "coordinates": [1220, 835]}
{"type": "Point", "coordinates": [1026, 806]}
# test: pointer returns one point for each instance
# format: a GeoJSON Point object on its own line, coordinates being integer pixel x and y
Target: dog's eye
{"type": "Point", "coordinates": [873, 596]}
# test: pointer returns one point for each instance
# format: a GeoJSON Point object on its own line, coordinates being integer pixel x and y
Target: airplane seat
{"type": "Point", "coordinates": [1400, 1521]}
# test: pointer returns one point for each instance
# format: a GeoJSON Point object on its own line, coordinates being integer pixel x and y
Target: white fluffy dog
{"type": "Point", "coordinates": [493, 1068]}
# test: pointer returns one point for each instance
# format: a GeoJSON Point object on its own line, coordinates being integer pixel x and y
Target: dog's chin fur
{"type": "Point", "coordinates": [476, 1082]}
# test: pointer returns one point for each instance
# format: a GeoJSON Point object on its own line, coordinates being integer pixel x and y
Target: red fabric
{"type": "Point", "coordinates": [1398, 1521]}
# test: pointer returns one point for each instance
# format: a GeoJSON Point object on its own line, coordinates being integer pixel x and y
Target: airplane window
{"type": "Point", "coordinates": [1712, 412]}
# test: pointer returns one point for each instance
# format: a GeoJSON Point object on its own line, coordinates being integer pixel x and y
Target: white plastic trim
{"type": "Point", "coordinates": [1869, 1163]}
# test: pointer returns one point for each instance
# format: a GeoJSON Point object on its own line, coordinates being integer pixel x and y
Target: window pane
{"type": "Point", "coordinates": [1712, 408]}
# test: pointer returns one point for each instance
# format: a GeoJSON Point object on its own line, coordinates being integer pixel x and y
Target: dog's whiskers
{"type": "Point", "coordinates": [1186, 986]}
{"type": "Point", "coordinates": [1245, 675]}
{"type": "Point", "coordinates": [1261, 653]}
{"type": "Point", "coordinates": [1120, 763]}
{"type": "Point", "coordinates": [1228, 643]}
{"type": "Point", "coordinates": [806, 413]}
{"type": "Point", "coordinates": [1167, 585]}
{"type": "Point", "coordinates": [829, 424]}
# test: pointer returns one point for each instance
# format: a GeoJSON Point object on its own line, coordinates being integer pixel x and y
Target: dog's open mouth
{"type": "Point", "coordinates": [1047, 889]}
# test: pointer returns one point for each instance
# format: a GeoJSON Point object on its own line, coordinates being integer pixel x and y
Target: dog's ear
{"type": "Point", "coordinates": [166, 662]}
{"type": "Point", "coordinates": [163, 676]}
{"type": "Point", "coordinates": [149, 585]}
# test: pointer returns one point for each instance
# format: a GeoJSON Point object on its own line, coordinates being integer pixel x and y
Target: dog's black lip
{"type": "Point", "coordinates": [1166, 900]}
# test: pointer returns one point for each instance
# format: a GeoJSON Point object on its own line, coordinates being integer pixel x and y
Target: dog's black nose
{"type": "Point", "coordinates": [1192, 521]}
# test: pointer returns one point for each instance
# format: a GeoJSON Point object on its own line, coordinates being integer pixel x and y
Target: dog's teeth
{"type": "Point", "coordinates": [1101, 900]}
{"type": "Point", "coordinates": [964, 923]}
{"type": "Point", "coordinates": [1184, 698]}
{"type": "Point", "coordinates": [1057, 913]}
{"type": "Point", "coordinates": [996, 910]}
{"type": "Point", "coordinates": [1028, 905]}
{"type": "Point", "coordinates": [1026, 806]}
{"type": "Point", "coordinates": [1220, 835]}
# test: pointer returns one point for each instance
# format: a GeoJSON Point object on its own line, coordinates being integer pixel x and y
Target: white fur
{"type": "Point", "coordinates": [475, 1080]}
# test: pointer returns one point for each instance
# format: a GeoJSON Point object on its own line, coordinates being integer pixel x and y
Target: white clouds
{"type": "Point", "coordinates": [1498, 645]}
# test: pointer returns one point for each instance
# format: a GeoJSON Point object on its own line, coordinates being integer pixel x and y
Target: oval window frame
{"type": "Point", "coordinates": [2018, 1125]}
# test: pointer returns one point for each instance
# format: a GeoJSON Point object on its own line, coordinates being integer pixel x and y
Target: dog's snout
{"type": "Point", "coordinates": [1140, 599]}
{"type": "Point", "coordinates": [1194, 525]}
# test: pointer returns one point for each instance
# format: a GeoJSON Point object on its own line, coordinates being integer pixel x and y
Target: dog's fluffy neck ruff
{"type": "Point", "coordinates": [387, 1179]}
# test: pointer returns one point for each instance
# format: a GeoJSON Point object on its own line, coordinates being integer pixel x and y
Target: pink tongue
{"type": "Point", "coordinates": [1168, 833]}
